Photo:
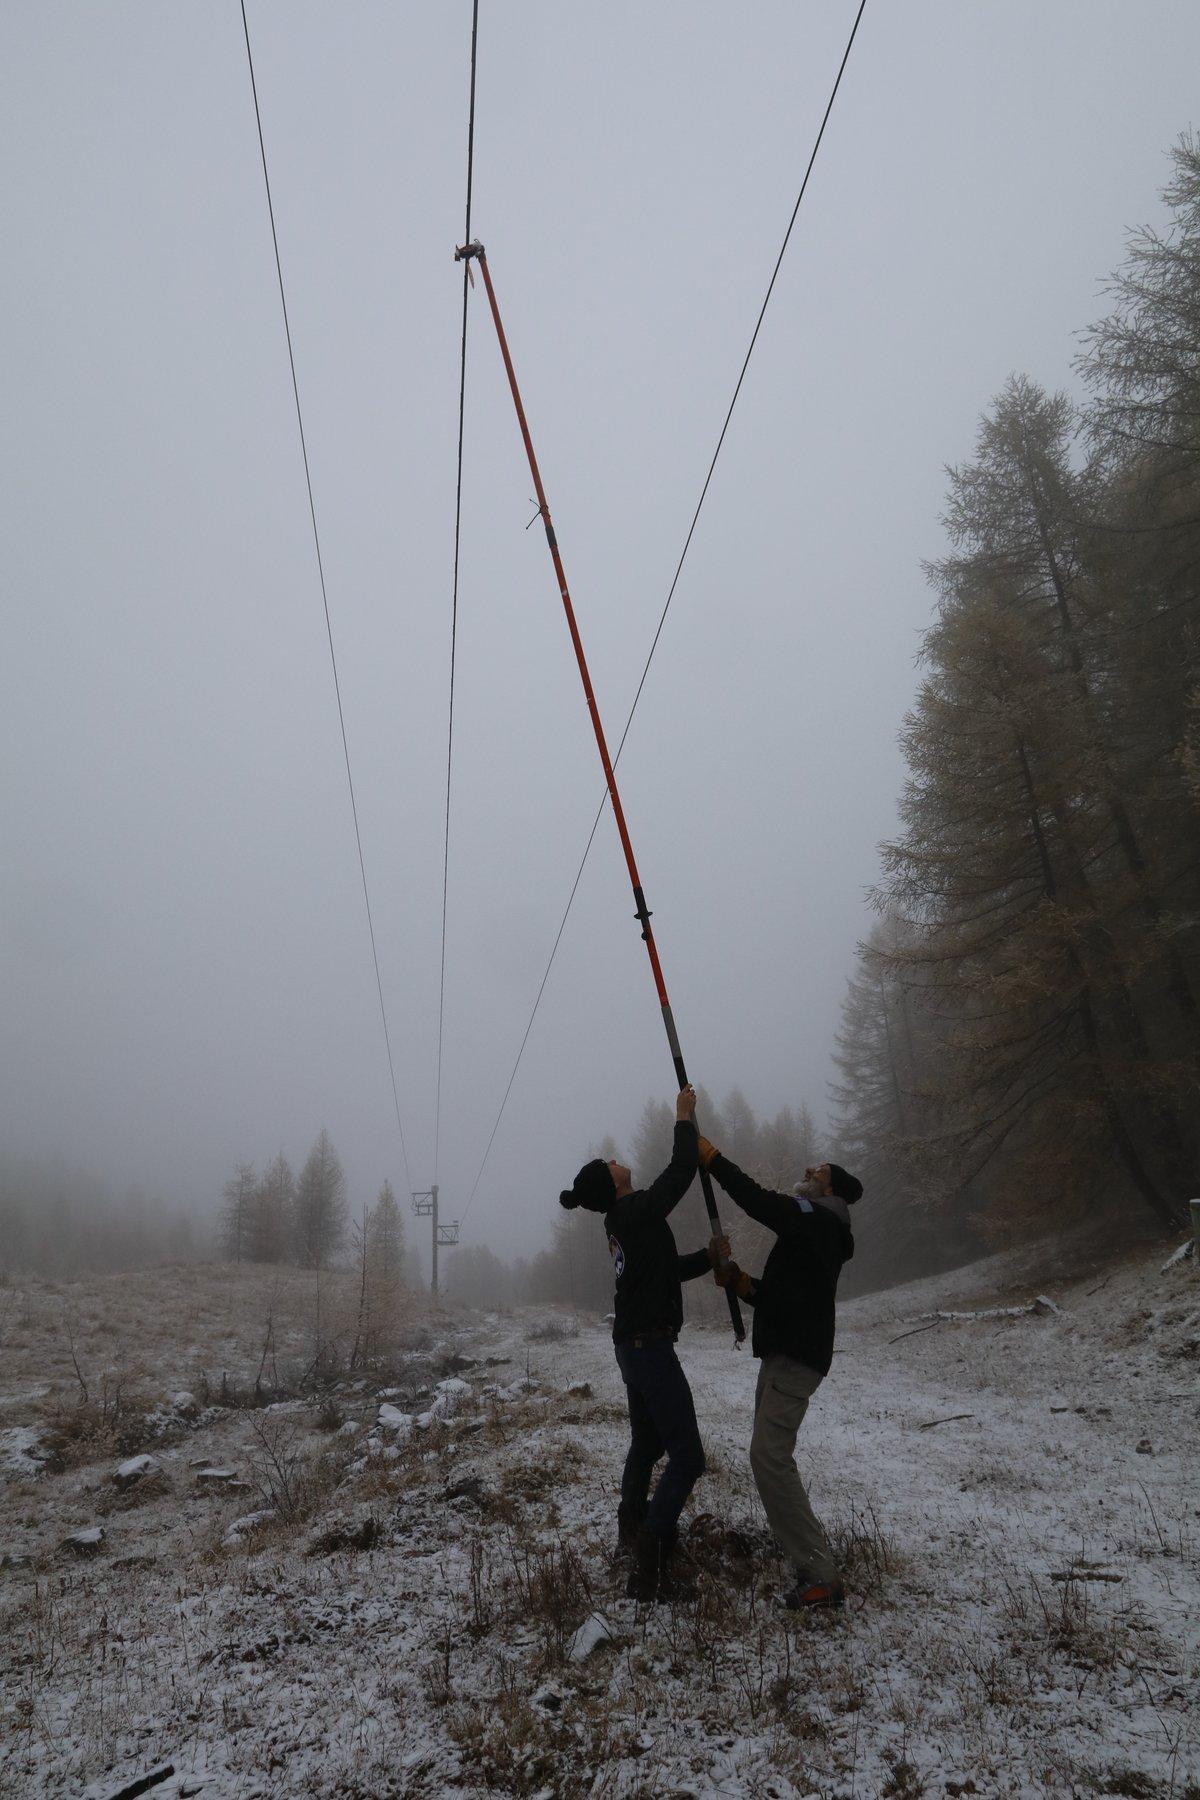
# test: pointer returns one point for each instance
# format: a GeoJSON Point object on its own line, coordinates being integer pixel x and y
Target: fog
{"type": "Point", "coordinates": [187, 975]}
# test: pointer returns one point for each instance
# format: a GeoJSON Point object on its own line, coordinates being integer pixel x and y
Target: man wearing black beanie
{"type": "Point", "coordinates": [793, 1301]}
{"type": "Point", "coordinates": [649, 1313]}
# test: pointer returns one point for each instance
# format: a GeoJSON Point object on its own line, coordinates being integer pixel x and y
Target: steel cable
{"type": "Point", "coordinates": [670, 594]}
{"type": "Point", "coordinates": [362, 867]}
{"type": "Point", "coordinates": [462, 394]}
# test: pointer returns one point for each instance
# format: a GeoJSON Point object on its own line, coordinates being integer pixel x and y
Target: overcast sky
{"type": "Point", "coordinates": [187, 977]}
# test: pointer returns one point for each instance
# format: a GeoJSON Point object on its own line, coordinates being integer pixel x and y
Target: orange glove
{"type": "Point", "coordinates": [730, 1276]}
{"type": "Point", "coordinates": [707, 1151]}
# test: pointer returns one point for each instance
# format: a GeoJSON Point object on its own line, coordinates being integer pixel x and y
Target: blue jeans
{"type": "Point", "coordinates": [662, 1418]}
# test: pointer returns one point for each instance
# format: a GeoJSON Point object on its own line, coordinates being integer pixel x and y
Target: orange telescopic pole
{"type": "Point", "coordinates": [475, 252]}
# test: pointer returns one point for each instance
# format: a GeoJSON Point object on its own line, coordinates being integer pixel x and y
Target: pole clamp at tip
{"type": "Point", "coordinates": [643, 914]}
{"type": "Point", "coordinates": [465, 252]}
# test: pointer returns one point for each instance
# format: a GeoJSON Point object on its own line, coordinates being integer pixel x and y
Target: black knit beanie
{"type": "Point", "coordinates": [592, 1187]}
{"type": "Point", "coordinates": [846, 1187]}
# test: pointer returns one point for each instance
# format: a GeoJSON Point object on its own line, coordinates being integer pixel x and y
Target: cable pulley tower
{"type": "Point", "coordinates": [425, 1205]}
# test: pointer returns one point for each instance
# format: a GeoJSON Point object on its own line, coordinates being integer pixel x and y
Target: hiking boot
{"type": "Point", "coordinates": [647, 1563]}
{"type": "Point", "coordinates": [629, 1518]}
{"type": "Point", "coordinates": [676, 1571]}
{"type": "Point", "coordinates": [811, 1596]}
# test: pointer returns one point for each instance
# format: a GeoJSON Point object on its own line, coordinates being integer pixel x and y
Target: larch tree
{"type": "Point", "coordinates": [237, 1213]}
{"type": "Point", "coordinates": [320, 1210]}
{"type": "Point", "coordinates": [387, 1245]}
{"type": "Point", "coordinates": [1042, 1055]}
{"type": "Point", "coordinates": [272, 1212]}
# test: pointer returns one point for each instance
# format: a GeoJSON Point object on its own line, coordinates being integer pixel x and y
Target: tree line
{"type": "Point", "coordinates": [576, 1268]}
{"type": "Point", "coordinates": [281, 1217]}
{"type": "Point", "coordinates": [60, 1220]}
{"type": "Point", "coordinates": [1020, 1041]}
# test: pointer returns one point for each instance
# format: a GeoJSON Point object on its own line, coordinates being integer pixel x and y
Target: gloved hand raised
{"type": "Point", "coordinates": [707, 1151]}
{"type": "Point", "coordinates": [730, 1276]}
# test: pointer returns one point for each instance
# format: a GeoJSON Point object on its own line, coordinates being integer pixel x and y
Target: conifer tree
{"type": "Point", "coordinates": [387, 1247]}
{"type": "Point", "coordinates": [274, 1199]}
{"type": "Point", "coordinates": [1043, 1057]}
{"type": "Point", "coordinates": [320, 1211]}
{"type": "Point", "coordinates": [236, 1213]}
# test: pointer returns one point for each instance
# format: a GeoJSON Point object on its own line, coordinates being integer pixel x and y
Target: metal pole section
{"type": "Point", "coordinates": [425, 1205]}
{"type": "Point", "coordinates": [642, 914]}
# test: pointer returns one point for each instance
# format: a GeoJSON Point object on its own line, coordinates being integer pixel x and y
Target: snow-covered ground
{"type": "Point", "coordinates": [303, 1600]}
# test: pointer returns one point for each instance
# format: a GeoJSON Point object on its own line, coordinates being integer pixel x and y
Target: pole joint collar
{"type": "Point", "coordinates": [465, 252]}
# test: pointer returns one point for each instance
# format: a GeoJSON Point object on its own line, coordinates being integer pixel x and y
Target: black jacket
{"type": "Point", "coordinates": [793, 1298]}
{"type": "Point", "coordinates": [647, 1266]}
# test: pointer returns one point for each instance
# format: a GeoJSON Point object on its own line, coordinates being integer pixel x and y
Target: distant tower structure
{"type": "Point", "coordinates": [425, 1205]}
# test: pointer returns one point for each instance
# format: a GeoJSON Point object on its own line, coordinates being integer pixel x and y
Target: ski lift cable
{"type": "Point", "coordinates": [312, 509]}
{"type": "Point", "coordinates": [670, 595]}
{"type": "Point", "coordinates": [462, 393]}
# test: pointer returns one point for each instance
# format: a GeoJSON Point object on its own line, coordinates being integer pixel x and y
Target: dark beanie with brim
{"type": "Point", "coordinates": [847, 1187]}
{"type": "Point", "coordinates": [593, 1188]}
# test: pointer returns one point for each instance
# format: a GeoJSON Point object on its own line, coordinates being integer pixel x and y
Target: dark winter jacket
{"type": "Point", "coordinates": [647, 1266]}
{"type": "Point", "coordinates": [793, 1298]}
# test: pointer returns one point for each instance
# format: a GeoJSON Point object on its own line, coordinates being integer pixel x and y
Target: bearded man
{"type": "Point", "coordinates": [794, 1307]}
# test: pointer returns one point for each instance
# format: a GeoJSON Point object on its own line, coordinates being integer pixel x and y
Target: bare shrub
{"type": "Point", "coordinates": [435, 1665]}
{"type": "Point", "coordinates": [552, 1331]}
{"type": "Point", "coordinates": [904, 1782]}
{"type": "Point", "coordinates": [517, 1745]}
{"type": "Point", "coordinates": [552, 1474]}
{"type": "Point", "coordinates": [546, 1586]}
{"type": "Point", "coordinates": [111, 1422]}
{"type": "Point", "coordinates": [1072, 1619]}
{"type": "Point", "coordinates": [347, 1534]}
{"type": "Point", "coordinates": [329, 1415]}
{"type": "Point", "coordinates": [287, 1481]}
{"type": "Point", "coordinates": [862, 1552]}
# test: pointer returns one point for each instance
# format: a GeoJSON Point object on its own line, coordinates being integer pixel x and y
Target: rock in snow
{"type": "Point", "coordinates": [135, 1469]}
{"type": "Point", "coordinates": [464, 1482]}
{"type": "Point", "coordinates": [392, 1419]}
{"type": "Point", "coordinates": [21, 1452]}
{"type": "Point", "coordinates": [1173, 1261]}
{"type": "Point", "coordinates": [240, 1527]}
{"type": "Point", "coordinates": [447, 1396]}
{"type": "Point", "coordinates": [85, 1543]}
{"type": "Point", "coordinates": [592, 1632]}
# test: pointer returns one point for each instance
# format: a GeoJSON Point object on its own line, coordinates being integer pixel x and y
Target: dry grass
{"type": "Point", "coordinates": [409, 1606]}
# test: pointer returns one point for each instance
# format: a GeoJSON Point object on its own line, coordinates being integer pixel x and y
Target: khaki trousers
{"type": "Point", "coordinates": [781, 1399]}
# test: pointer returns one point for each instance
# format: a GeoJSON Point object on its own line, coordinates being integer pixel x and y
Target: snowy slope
{"type": "Point", "coordinates": [1025, 1611]}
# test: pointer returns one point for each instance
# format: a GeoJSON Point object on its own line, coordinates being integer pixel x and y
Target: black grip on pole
{"type": "Point", "coordinates": [710, 1201]}
{"type": "Point", "coordinates": [706, 1186]}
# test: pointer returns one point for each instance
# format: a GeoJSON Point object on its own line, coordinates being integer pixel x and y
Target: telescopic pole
{"type": "Point", "coordinates": [475, 251]}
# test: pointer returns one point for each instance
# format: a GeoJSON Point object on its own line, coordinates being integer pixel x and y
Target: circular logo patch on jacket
{"type": "Point", "coordinates": [618, 1256]}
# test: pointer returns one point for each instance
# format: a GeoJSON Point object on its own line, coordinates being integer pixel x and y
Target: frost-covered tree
{"type": "Point", "coordinates": [237, 1208]}
{"type": "Point", "coordinates": [320, 1210]}
{"type": "Point", "coordinates": [387, 1247]}
{"type": "Point", "coordinates": [272, 1207]}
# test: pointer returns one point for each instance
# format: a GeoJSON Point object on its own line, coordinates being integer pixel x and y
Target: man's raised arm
{"type": "Point", "coordinates": [776, 1211]}
{"type": "Point", "coordinates": [663, 1195]}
